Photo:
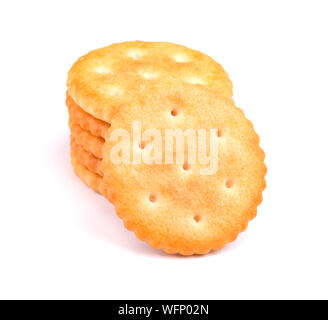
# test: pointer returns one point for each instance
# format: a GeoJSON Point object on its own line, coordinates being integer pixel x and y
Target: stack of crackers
{"type": "Point", "coordinates": [173, 206]}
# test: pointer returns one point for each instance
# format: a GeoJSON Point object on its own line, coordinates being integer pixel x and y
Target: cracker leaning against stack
{"type": "Point", "coordinates": [165, 86]}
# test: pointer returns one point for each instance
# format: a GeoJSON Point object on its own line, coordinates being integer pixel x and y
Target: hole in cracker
{"type": "Point", "coordinates": [181, 58]}
{"type": "Point", "coordinates": [102, 70]}
{"type": "Point", "coordinates": [197, 218]}
{"type": "Point", "coordinates": [229, 183]}
{"type": "Point", "coordinates": [142, 145]}
{"type": "Point", "coordinates": [152, 198]}
{"type": "Point", "coordinates": [196, 80]}
{"type": "Point", "coordinates": [219, 133]}
{"type": "Point", "coordinates": [186, 167]}
{"type": "Point", "coordinates": [174, 112]}
{"type": "Point", "coordinates": [135, 54]}
{"type": "Point", "coordinates": [148, 75]}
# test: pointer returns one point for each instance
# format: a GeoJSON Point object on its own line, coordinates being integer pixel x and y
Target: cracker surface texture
{"type": "Point", "coordinates": [104, 80]}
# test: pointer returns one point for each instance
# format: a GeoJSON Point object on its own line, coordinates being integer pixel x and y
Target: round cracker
{"type": "Point", "coordinates": [178, 210]}
{"type": "Point", "coordinates": [104, 80]}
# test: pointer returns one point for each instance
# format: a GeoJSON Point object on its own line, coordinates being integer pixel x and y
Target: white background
{"type": "Point", "coordinates": [59, 239]}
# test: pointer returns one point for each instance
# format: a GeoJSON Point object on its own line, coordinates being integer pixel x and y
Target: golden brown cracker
{"type": "Point", "coordinates": [172, 206]}
{"type": "Point", "coordinates": [106, 79]}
